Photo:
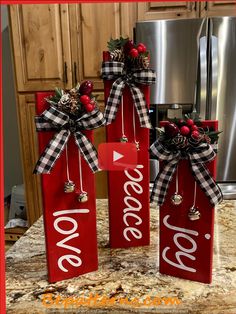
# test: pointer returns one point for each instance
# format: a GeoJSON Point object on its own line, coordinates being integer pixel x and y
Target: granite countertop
{"type": "Point", "coordinates": [123, 273]}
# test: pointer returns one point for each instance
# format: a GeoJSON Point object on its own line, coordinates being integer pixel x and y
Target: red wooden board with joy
{"type": "Point", "coordinates": [70, 226]}
{"type": "Point", "coordinates": [186, 247]}
{"type": "Point", "coordinates": [129, 190]}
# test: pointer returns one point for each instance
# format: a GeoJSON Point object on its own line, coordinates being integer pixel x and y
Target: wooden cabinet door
{"type": "Point", "coordinates": [29, 156]}
{"type": "Point", "coordinates": [167, 10]}
{"type": "Point", "coordinates": [218, 8]}
{"type": "Point", "coordinates": [94, 24]}
{"type": "Point", "coordinates": [91, 27]}
{"type": "Point", "coordinates": [41, 46]}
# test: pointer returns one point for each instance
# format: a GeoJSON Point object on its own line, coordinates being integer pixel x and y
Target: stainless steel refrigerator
{"type": "Point", "coordinates": [195, 60]}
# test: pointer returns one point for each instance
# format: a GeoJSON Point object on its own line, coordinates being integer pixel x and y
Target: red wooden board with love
{"type": "Point", "coordinates": [70, 226]}
{"type": "Point", "coordinates": [129, 190]}
{"type": "Point", "coordinates": [186, 247]}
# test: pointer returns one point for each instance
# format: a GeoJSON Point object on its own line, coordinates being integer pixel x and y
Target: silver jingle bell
{"type": "Point", "coordinates": [69, 187]}
{"type": "Point", "coordinates": [176, 199]}
{"type": "Point", "coordinates": [83, 197]}
{"type": "Point", "coordinates": [137, 145]}
{"type": "Point", "coordinates": [123, 139]}
{"type": "Point", "coordinates": [194, 214]}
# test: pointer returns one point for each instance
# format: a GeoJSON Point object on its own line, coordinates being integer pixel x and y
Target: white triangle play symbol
{"type": "Point", "coordinates": [117, 156]}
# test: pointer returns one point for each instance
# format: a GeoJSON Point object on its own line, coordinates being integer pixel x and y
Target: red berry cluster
{"type": "Point", "coordinates": [134, 50]}
{"type": "Point", "coordinates": [186, 128]}
{"type": "Point", "coordinates": [85, 91]}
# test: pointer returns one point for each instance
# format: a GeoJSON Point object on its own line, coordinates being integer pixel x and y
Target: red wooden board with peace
{"type": "Point", "coordinates": [129, 190]}
{"type": "Point", "coordinates": [70, 226]}
{"type": "Point", "coordinates": [186, 247]}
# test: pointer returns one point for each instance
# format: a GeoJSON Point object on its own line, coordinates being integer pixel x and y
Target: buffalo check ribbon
{"type": "Point", "coordinates": [53, 119]}
{"type": "Point", "coordinates": [197, 157]}
{"type": "Point", "coordinates": [113, 70]}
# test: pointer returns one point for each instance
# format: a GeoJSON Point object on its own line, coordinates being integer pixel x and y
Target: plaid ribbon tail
{"type": "Point", "coordinates": [207, 183]}
{"type": "Point", "coordinates": [52, 152]}
{"type": "Point", "coordinates": [114, 100]}
{"type": "Point", "coordinates": [87, 150]}
{"type": "Point", "coordinates": [162, 181]}
{"type": "Point", "coordinates": [141, 106]}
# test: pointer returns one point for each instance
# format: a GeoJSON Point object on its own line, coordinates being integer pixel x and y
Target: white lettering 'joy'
{"type": "Point", "coordinates": [182, 233]}
{"type": "Point", "coordinates": [71, 233]}
{"type": "Point", "coordinates": [133, 205]}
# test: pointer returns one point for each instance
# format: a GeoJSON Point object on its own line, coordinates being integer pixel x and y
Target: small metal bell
{"type": "Point", "coordinates": [123, 139]}
{"type": "Point", "coordinates": [69, 187]}
{"type": "Point", "coordinates": [194, 214]}
{"type": "Point", "coordinates": [137, 145]}
{"type": "Point", "coordinates": [176, 199]}
{"type": "Point", "coordinates": [83, 197]}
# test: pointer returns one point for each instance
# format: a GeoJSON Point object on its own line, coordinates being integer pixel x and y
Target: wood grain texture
{"type": "Point", "coordinates": [100, 137]}
{"type": "Point", "coordinates": [95, 25]}
{"type": "Point", "coordinates": [128, 18]}
{"type": "Point", "coordinates": [41, 46]}
{"type": "Point", "coordinates": [218, 8]}
{"type": "Point", "coordinates": [167, 10]}
{"type": "Point", "coordinates": [29, 156]}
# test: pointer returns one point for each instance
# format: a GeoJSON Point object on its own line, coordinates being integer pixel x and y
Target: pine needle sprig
{"type": "Point", "coordinates": [214, 136]}
{"type": "Point", "coordinates": [115, 44]}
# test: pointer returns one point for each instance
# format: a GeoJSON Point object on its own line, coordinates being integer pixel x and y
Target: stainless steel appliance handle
{"type": "Point", "coordinates": [203, 76]}
{"type": "Point", "coordinates": [214, 76]}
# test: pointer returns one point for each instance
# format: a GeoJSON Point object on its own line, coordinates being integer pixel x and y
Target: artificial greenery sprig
{"type": "Point", "coordinates": [186, 133]}
{"type": "Point", "coordinates": [74, 102]}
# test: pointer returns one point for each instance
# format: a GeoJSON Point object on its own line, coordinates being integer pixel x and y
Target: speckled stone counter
{"type": "Point", "coordinates": [123, 273]}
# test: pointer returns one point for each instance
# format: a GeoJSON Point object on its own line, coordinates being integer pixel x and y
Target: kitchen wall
{"type": "Point", "coordinates": [12, 160]}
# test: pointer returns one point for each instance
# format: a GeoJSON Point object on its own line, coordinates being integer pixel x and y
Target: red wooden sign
{"type": "Point", "coordinates": [186, 247]}
{"type": "Point", "coordinates": [70, 226]}
{"type": "Point", "coordinates": [129, 190]}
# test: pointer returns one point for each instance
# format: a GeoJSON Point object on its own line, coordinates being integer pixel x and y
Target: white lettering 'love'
{"type": "Point", "coordinates": [131, 218]}
{"type": "Point", "coordinates": [181, 233]}
{"type": "Point", "coordinates": [71, 233]}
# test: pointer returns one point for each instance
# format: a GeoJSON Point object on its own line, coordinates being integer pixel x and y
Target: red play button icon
{"type": "Point", "coordinates": [117, 156]}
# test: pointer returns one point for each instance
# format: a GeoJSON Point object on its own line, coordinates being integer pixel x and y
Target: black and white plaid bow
{"type": "Point", "coordinates": [53, 119]}
{"type": "Point", "coordinates": [113, 70]}
{"type": "Point", "coordinates": [197, 158]}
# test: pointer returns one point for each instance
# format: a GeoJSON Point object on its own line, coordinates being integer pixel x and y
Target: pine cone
{"type": "Point", "coordinates": [74, 93]}
{"type": "Point", "coordinates": [179, 141]}
{"type": "Point", "coordinates": [143, 62]}
{"type": "Point", "coordinates": [194, 142]}
{"type": "Point", "coordinates": [140, 62]}
{"type": "Point", "coordinates": [65, 99]}
{"type": "Point", "coordinates": [117, 55]}
{"type": "Point", "coordinates": [69, 104]}
{"type": "Point", "coordinates": [73, 106]}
